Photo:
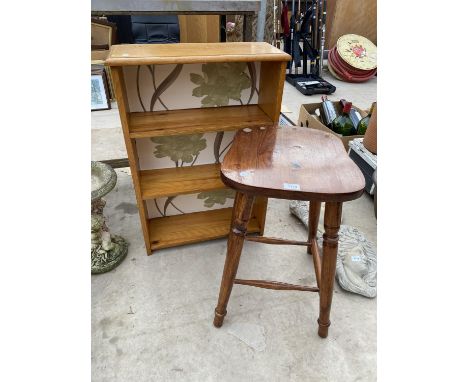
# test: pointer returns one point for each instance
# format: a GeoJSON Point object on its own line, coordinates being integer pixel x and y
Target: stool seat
{"type": "Point", "coordinates": [291, 163]}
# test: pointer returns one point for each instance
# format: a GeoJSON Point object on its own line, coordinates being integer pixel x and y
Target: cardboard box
{"type": "Point", "coordinates": [309, 118]}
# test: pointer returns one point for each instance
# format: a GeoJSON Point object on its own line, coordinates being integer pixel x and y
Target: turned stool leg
{"type": "Point", "coordinates": [241, 214]}
{"type": "Point", "coordinates": [330, 249]}
{"type": "Point", "coordinates": [314, 216]}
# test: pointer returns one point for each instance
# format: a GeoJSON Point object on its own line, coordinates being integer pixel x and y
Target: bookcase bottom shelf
{"type": "Point", "coordinates": [170, 231]}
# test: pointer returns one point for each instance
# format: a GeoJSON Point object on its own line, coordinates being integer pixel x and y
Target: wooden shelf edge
{"type": "Point", "coordinates": [192, 121]}
{"type": "Point", "coordinates": [123, 61]}
{"type": "Point", "coordinates": [190, 53]}
{"type": "Point", "coordinates": [171, 231]}
{"type": "Point", "coordinates": [180, 181]}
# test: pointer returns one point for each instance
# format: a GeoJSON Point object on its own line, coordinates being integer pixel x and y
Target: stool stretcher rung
{"type": "Point", "coordinates": [275, 240]}
{"type": "Point", "coordinates": [275, 285]}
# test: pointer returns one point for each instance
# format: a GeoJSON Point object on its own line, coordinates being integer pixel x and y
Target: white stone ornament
{"type": "Point", "coordinates": [356, 264]}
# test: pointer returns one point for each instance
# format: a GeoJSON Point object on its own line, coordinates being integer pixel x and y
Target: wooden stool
{"type": "Point", "coordinates": [288, 163]}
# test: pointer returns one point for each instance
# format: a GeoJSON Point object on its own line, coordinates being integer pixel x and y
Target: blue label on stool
{"type": "Point", "coordinates": [291, 186]}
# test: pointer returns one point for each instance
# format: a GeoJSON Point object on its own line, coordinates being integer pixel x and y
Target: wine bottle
{"type": "Point", "coordinates": [328, 112]}
{"type": "Point", "coordinates": [343, 124]}
{"type": "Point", "coordinates": [353, 114]}
{"type": "Point", "coordinates": [363, 123]}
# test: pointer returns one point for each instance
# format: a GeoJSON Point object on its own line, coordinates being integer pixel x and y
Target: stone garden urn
{"type": "Point", "coordinates": [107, 251]}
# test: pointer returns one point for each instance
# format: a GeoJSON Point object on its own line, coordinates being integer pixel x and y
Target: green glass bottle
{"type": "Point", "coordinates": [328, 112]}
{"type": "Point", "coordinates": [363, 123]}
{"type": "Point", "coordinates": [343, 124]}
{"type": "Point", "coordinates": [353, 114]}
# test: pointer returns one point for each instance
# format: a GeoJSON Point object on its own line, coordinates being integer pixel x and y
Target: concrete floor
{"type": "Point", "coordinates": [152, 316]}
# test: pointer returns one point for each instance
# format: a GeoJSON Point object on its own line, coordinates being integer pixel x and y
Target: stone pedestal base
{"type": "Point", "coordinates": [104, 260]}
{"type": "Point", "coordinates": [107, 251]}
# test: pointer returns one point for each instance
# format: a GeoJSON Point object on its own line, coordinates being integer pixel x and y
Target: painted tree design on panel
{"type": "Point", "coordinates": [181, 149]}
{"type": "Point", "coordinates": [158, 90]}
{"type": "Point", "coordinates": [219, 83]}
{"type": "Point", "coordinates": [216, 197]}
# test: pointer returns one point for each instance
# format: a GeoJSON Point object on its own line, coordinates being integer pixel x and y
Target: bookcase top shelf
{"type": "Point", "coordinates": [192, 53]}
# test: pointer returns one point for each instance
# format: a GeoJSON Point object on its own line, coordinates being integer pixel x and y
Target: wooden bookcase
{"type": "Point", "coordinates": [261, 63]}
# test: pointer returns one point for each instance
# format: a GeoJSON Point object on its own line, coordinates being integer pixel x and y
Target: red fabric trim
{"type": "Point", "coordinates": [285, 20]}
{"type": "Point", "coordinates": [346, 71]}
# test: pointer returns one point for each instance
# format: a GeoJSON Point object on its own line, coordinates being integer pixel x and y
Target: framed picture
{"type": "Point", "coordinates": [99, 91]}
{"type": "Point", "coordinates": [103, 34]}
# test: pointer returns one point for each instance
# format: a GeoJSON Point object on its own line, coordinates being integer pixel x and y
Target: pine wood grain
{"type": "Point", "coordinates": [297, 164]}
{"type": "Point", "coordinates": [272, 75]}
{"type": "Point", "coordinates": [180, 180]}
{"type": "Point", "coordinates": [199, 28]}
{"type": "Point", "coordinates": [192, 121]}
{"type": "Point", "coordinates": [332, 221]}
{"type": "Point", "coordinates": [259, 210]}
{"type": "Point", "coordinates": [190, 53]}
{"type": "Point", "coordinates": [314, 217]}
{"type": "Point", "coordinates": [241, 218]}
{"type": "Point", "coordinates": [275, 240]}
{"type": "Point", "coordinates": [347, 16]}
{"type": "Point", "coordinates": [122, 101]}
{"type": "Point", "coordinates": [276, 285]}
{"type": "Point", "coordinates": [190, 228]}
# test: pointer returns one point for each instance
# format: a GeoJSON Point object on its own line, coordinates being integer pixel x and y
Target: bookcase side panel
{"type": "Point", "coordinates": [123, 104]}
{"type": "Point", "coordinates": [272, 75]}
